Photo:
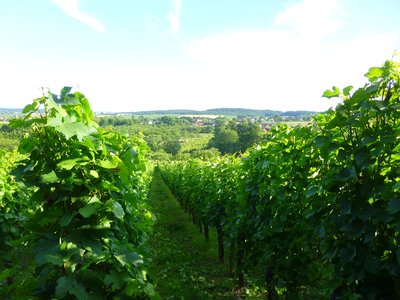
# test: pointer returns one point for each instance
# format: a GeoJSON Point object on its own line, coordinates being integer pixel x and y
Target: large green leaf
{"type": "Point", "coordinates": [394, 206]}
{"type": "Point", "coordinates": [94, 173]}
{"type": "Point", "coordinates": [49, 258]}
{"type": "Point", "coordinates": [68, 164]}
{"type": "Point", "coordinates": [55, 121]}
{"type": "Point", "coordinates": [374, 73]}
{"type": "Point", "coordinates": [65, 91]}
{"type": "Point", "coordinates": [89, 209]}
{"type": "Point", "coordinates": [111, 163]}
{"type": "Point", "coordinates": [32, 107]}
{"type": "Point", "coordinates": [133, 288]}
{"type": "Point", "coordinates": [68, 285]}
{"type": "Point", "coordinates": [149, 289]}
{"type": "Point", "coordinates": [335, 92]}
{"type": "Point", "coordinates": [126, 256]}
{"type": "Point", "coordinates": [64, 286]}
{"type": "Point", "coordinates": [347, 90]}
{"type": "Point", "coordinates": [118, 210]}
{"type": "Point", "coordinates": [114, 280]}
{"type": "Point", "coordinates": [49, 178]}
{"type": "Point", "coordinates": [78, 129]}
{"type": "Point", "coordinates": [86, 108]}
{"type": "Point", "coordinates": [66, 219]}
{"type": "Point", "coordinates": [26, 145]}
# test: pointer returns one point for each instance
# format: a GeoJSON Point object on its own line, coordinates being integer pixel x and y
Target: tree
{"type": "Point", "coordinates": [167, 120]}
{"type": "Point", "coordinates": [230, 137]}
{"type": "Point", "coordinates": [225, 140]}
{"type": "Point", "coordinates": [249, 134]}
{"type": "Point", "coordinates": [172, 146]}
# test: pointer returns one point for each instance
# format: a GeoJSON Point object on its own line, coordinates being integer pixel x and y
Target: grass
{"type": "Point", "coordinates": [184, 265]}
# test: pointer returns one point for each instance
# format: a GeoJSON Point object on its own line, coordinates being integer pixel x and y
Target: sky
{"type": "Point", "coordinates": [134, 55]}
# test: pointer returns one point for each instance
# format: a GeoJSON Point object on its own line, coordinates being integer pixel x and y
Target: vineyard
{"type": "Point", "coordinates": [314, 210]}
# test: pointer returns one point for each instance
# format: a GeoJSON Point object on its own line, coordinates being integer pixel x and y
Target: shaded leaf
{"type": "Point", "coordinates": [64, 285]}
{"type": "Point", "coordinates": [66, 219]}
{"type": "Point", "coordinates": [114, 280]}
{"type": "Point", "coordinates": [64, 91]}
{"type": "Point", "coordinates": [49, 258]}
{"type": "Point", "coordinates": [394, 206]}
{"type": "Point", "coordinates": [89, 209]}
{"type": "Point", "coordinates": [133, 288]}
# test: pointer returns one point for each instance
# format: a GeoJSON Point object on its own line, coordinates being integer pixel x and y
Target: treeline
{"type": "Point", "coordinates": [126, 120]}
{"type": "Point", "coordinates": [245, 112]}
{"type": "Point", "coordinates": [316, 209]}
{"type": "Point", "coordinates": [230, 112]}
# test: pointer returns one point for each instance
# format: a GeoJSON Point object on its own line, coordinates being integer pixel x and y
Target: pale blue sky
{"type": "Point", "coordinates": [130, 55]}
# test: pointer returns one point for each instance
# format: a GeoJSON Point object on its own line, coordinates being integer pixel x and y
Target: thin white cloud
{"type": "Point", "coordinates": [316, 18]}
{"type": "Point", "coordinates": [290, 65]}
{"type": "Point", "coordinates": [174, 16]}
{"type": "Point", "coordinates": [71, 8]}
{"type": "Point", "coordinates": [283, 67]}
{"type": "Point", "coordinates": [298, 33]}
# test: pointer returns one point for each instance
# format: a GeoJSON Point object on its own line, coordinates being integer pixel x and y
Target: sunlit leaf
{"type": "Point", "coordinates": [374, 73]}
{"type": "Point", "coordinates": [49, 177]}
{"type": "Point", "coordinates": [335, 92]}
{"type": "Point", "coordinates": [111, 163]}
{"type": "Point", "coordinates": [78, 129]}
{"type": "Point", "coordinates": [68, 164]}
{"type": "Point", "coordinates": [94, 173]}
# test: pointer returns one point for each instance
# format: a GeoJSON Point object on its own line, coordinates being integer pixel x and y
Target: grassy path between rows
{"type": "Point", "coordinates": [184, 265]}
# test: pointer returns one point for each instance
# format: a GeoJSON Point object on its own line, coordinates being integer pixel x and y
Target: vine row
{"type": "Point", "coordinates": [315, 208]}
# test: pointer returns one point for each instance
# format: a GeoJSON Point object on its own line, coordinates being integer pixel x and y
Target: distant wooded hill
{"type": "Point", "coordinates": [10, 110]}
{"type": "Point", "coordinates": [214, 111]}
{"type": "Point", "coordinates": [230, 112]}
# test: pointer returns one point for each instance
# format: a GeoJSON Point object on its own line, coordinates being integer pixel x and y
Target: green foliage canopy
{"type": "Point", "coordinates": [89, 233]}
{"type": "Point", "coordinates": [317, 206]}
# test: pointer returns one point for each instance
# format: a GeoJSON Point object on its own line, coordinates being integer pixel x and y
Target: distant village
{"type": "Point", "coordinates": [168, 118]}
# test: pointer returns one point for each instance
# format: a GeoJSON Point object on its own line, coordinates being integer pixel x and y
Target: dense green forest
{"type": "Point", "coordinates": [309, 210]}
